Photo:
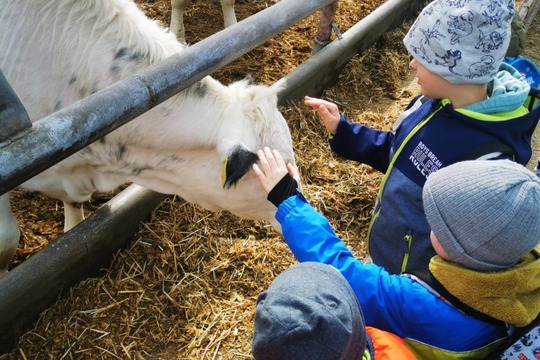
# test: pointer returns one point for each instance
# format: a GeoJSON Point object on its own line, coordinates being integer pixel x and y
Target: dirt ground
{"type": "Point", "coordinates": [186, 286]}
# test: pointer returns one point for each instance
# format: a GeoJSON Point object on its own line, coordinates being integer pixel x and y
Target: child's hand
{"type": "Point", "coordinates": [272, 169]}
{"type": "Point", "coordinates": [328, 111]}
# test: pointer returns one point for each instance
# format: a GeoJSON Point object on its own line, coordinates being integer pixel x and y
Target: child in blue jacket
{"type": "Point", "coordinates": [485, 229]}
{"type": "Point", "coordinates": [471, 106]}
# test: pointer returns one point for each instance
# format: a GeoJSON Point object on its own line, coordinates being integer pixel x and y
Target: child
{"type": "Point", "coordinates": [472, 106]}
{"type": "Point", "coordinates": [311, 312]}
{"type": "Point", "coordinates": [485, 223]}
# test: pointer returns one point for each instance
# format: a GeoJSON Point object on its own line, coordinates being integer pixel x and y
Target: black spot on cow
{"type": "Point", "coordinates": [239, 162]}
{"type": "Point", "coordinates": [122, 56]}
{"type": "Point", "coordinates": [83, 92]}
{"type": "Point", "coordinates": [115, 71]}
{"type": "Point", "coordinates": [122, 53]}
{"type": "Point", "coordinates": [136, 56]}
{"type": "Point", "coordinates": [199, 89]}
{"type": "Point", "coordinates": [121, 151]}
{"type": "Point", "coordinates": [139, 170]}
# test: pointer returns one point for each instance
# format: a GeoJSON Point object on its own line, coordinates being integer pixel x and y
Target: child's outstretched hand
{"type": "Point", "coordinates": [328, 111]}
{"type": "Point", "coordinates": [272, 169]}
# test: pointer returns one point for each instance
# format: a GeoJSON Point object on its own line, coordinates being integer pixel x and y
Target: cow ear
{"type": "Point", "coordinates": [237, 164]}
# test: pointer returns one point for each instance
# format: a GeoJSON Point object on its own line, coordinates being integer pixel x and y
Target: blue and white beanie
{"type": "Point", "coordinates": [462, 41]}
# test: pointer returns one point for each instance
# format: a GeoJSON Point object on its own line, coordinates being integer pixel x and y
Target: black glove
{"type": "Point", "coordinates": [285, 188]}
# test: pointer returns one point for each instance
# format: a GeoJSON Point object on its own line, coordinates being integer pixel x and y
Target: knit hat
{"type": "Point", "coordinates": [308, 312]}
{"type": "Point", "coordinates": [484, 213]}
{"type": "Point", "coordinates": [462, 41]}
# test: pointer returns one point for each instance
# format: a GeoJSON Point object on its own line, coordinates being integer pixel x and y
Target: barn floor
{"type": "Point", "coordinates": [186, 286]}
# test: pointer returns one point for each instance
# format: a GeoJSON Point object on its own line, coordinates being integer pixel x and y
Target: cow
{"type": "Point", "coordinates": [54, 53]}
{"type": "Point", "coordinates": [178, 7]}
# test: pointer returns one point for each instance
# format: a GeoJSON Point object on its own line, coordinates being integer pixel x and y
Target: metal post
{"type": "Point", "coordinates": [324, 31]}
{"type": "Point", "coordinates": [528, 11]}
{"type": "Point", "coordinates": [13, 115]}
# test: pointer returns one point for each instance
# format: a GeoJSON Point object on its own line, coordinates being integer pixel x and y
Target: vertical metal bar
{"type": "Point", "coordinates": [13, 116]}
{"type": "Point", "coordinates": [324, 31]}
{"type": "Point", "coordinates": [528, 11]}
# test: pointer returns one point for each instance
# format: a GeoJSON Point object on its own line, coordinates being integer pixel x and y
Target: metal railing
{"type": "Point", "coordinates": [56, 136]}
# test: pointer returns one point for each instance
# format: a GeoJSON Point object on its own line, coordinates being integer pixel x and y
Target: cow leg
{"type": "Point", "coordinates": [178, 7]}
{"type": "Point", "coordinates": [9, 234]}
{"type": "Point", "coordinates": [229, 17]}
{"type": "Point", "coordinates": [73, 215]}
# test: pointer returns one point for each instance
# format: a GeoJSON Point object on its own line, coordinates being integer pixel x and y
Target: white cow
{"type": "Point", "coordinates": [178, 7]}
{"type": "Point", "coordinates": [54, 53]}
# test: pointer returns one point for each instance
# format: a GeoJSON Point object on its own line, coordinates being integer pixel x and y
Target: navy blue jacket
{"type": "Point", "coordinates": [431, 135]}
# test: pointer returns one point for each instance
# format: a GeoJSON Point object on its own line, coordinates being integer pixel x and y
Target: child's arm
{"type": "Point", "coordinates": [390, 302]}
{"type": "Point", "coordinates": [271, 172]}
{"type": "Point", "coordinates": [353, 141]}
{"type": "Point", "coordinates": [322, 245]}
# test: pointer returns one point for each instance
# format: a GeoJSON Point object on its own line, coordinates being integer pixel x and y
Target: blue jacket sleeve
{"type": "Point", "coordinates": [394, 303]}
{"type": "Point", "coordinates": [363, 144]}
{"type": "Point", "coordinates": [311, 238]}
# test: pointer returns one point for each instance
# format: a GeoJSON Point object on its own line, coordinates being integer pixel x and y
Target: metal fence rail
{"type": "Point", "coordinates": [54, 137]}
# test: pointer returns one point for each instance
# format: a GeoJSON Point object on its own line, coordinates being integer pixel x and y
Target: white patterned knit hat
{"type": "Point", "coordinates": [462, 41]}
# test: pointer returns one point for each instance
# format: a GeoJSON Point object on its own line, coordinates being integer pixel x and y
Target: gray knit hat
{"type": "Point", "coordinates": [462, 41]}
{"type": "Point", "coordinates": [485, 213]}
{"type": "Point", "coordinates": [308, 312]}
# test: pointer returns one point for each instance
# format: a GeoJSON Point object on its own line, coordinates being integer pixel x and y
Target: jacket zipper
{"type": "Point", "coordinates": [408, 238]}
